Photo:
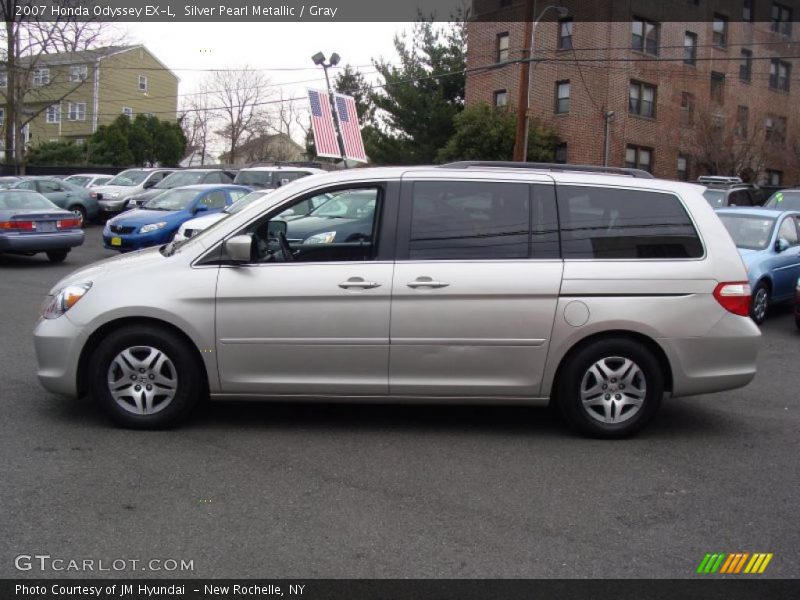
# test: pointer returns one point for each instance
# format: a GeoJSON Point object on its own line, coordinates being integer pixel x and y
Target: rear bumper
{"type": "Point", "coordinates": [58, 343]}
{"type": "Point", "coordinates": [722, 359]}
{"type": "Point", "coordinates": [40, 242]}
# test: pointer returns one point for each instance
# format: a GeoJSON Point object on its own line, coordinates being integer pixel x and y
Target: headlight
{"type": "Point", "coordinates": [152, 227]}
{"type": "Point", "coordinates": [321, 238]}
{"type": "Point", "coordinates": [56, 305]}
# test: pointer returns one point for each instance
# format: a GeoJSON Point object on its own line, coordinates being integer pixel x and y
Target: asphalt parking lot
{"type": "Point", "coordinates": [280, 490]}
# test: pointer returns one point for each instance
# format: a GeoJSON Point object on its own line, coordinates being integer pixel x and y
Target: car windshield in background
{"type": "Point", "coordinates": [258, 178]}
{"type": "Point", "coordinates": [347, 206]}
{"type": "Point", "coordinates": [784, 201]}
{"type": "Point", "coordinates": [172, 200]}
{"type": "Point", "coordinates": [25, 200]}
{"type": "Point", "coordinates": [128, 178]}
{"type": "Point", "coordinates": [81, 181]}
{"type": "Point", "coordinates": [7, 182]}
{"type": "Point", "coordinates": [749, 232]}
{"type": "Point", "coordinates": [180, 179]}
{"type": "Point", "coordinates": [715, 198]}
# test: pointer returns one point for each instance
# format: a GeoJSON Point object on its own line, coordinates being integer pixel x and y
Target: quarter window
{"type": "Point", "coordinates": [609, 223]}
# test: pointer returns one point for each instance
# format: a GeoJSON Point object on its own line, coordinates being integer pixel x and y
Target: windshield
{"type": "Point", "coordinates": [715, 198]}
{"type": "Point", "coordinates": [347, 206]}
{"type": "Point", "coordinates": [129, 178]}
{"type": "Point", "coordinates": [244, 202]}
{"type": "Point", "coordinates": [23, 200]}
{"type": "Point", "coordinates": [179, 179]}
{"type": "Point", "coordinates": [254, 178]}
{"type": "Point", "coordinates": [172, 200]}
{"type": "Point", "coordinates": [784, 200]}
{"type": "Point", "coordinates": [747, 231]}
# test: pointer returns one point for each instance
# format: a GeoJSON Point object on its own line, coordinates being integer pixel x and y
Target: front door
{"type": "Point", "coordinates": [475, 288]}
{"type": "Point", "coordinates": [786, 268]}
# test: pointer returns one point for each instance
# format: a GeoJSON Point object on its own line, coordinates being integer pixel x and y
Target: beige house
{"type": "Point", "coordinates": [279, 147]}
{"type": "Point", "coordinates": [69, 95]}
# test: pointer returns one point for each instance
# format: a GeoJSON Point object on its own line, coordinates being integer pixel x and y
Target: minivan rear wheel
{"type": "Point", "coordinates": [145, 377]}
{"type": "Point", "coordinates": [610, 388]}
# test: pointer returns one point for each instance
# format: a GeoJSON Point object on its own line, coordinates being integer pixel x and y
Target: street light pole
{"type": "Point", "coordinates": [523, 118]}
{"type": "Point", "coordinates": [319, 59]}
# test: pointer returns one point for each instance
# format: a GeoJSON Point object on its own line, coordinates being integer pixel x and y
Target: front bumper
{"type": "Point", "coordinates": [135, 241]}
{"type": "Point", "coordinates": [58, 343]}
{"type": "Point", "coordinates": [40, 242]}
{"type": "Point", "coordinates": [109, 206]}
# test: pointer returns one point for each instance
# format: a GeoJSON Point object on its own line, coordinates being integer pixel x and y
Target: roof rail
{"type": "Point", "coordinates": [554, 167]}
{"type": "Point", "coordinates": [285, 163]}
{"type": "Point", "coordinates": [719, 179]}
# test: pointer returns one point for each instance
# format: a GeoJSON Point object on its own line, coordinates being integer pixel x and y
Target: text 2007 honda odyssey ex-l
{"type": "Point", "coordinates": [471, 282]}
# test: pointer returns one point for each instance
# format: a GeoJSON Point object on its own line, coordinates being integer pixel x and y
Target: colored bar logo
{"type": "Point", "coordinates": [734, 563]}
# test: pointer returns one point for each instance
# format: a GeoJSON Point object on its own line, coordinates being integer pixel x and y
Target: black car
{"type": "Point", "coordinates": [341, 218]}
{"type": "Point", "coordinates": [720, 196]}
{"type": "Point", "coordinates": [182, 178]}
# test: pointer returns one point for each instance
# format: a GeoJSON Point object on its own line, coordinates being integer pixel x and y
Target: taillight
{"type": "Point", "coordinates": [21, 225]}
{"type": "Point", "coordinates": [69, 223]}
{"type": "Point", "coordinates": [734, 296]}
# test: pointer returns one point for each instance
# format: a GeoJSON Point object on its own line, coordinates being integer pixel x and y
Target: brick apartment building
{"type": "Point", "coordinates": [686, 97]}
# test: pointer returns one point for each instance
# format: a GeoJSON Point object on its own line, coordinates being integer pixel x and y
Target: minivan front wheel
{"type": "Point", "coordinates": [145, 377]}
{"type": "Point", "coordinates": [610, 388]}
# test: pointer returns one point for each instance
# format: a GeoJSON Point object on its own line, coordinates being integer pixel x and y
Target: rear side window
{"type": "Point", "coordinates": [609, 223]}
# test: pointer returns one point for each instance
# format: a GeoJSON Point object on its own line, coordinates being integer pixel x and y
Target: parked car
{"type": "Point", "coordinates": [87, 180]}
{"type": "Point", "coordinates": [788, 199]}
{"type": "Point", "coordinates": [30, 223]}
{"type": "Point", "coordinates": [769, 243]}
{"type": "Point", "coordinates": [113, 196]}
{"type": "Point", "coordinates": [719, 196]}
{"type": "Point", "coordinates": [7, 181]}
{"type": "Point", "coordinates": [194, 226]}
{"type": "Point", "coordinates": [272, 177]}
{"type": "Point", "coordinates": [63, 194]}
{"type": "Point", "coordinates": [797, 304]}
{"type": "Point", "coordinates": [181, 178]}
{"type": "Point", "coordinates": [479, 282]}
{"type": "Point", "coordinates": [159, 219]}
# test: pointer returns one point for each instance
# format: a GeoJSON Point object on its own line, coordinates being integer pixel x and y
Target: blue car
{"type": "Point", "coordinates": [769, 242]}
{"type": "Point", "coordinates": [158, 220]}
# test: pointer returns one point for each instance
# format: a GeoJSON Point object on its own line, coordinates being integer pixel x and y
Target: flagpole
{"type": "Point", "coordinates": [319, 59]}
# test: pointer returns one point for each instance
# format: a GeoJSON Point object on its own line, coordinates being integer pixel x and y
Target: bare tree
{"type": "Point", "coordinates": [197, 121]}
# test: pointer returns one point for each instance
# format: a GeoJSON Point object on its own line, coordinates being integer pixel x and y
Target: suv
{"type": "Point", "coordinates": [720, 195]}
{"type": "Point", "coordinates": [113, 195]}
{"type": "Point", "coordinates": [181, 178]}
{"type": "Point", "coordinates": [510, 283]}
{"type": "Point", "coordinates": [274, 176]}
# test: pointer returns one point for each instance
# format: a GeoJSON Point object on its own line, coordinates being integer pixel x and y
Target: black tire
{"type": "Point", "coordinates": [57, 256]}
{"type": "Point", "coordinates": [183, 365]}
{"type": "Point", "coordinates": [588, 420]}
{"type": "Point", "coordinates": [797, 321]}
{"type": "Point", "coordinates": [757, 312]}
{"type": "Point", "coordinates": [79, 210]}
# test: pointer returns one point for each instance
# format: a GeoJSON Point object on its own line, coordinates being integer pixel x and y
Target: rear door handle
{"type": "Point", "coordinates": [358, 282]}
{"type": "Point", "coordinates": [426, 282]}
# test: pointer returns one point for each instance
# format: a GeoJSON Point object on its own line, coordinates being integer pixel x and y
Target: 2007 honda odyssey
{"type": "Point", "coordinates": [475, 282]}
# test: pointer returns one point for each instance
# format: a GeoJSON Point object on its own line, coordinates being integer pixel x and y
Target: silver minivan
{"type": "Point", "coordinates": [599, 291]}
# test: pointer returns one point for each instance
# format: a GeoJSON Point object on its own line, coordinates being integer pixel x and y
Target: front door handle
{"type": "Point", "coordinates": [426, 282]}
{"type": "Point", "coordinates": [358, 282]}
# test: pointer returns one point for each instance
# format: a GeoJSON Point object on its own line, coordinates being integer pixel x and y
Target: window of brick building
{"type": "Point", "coordinates": [561, 153]}
{"type": "Point", "coordinates": [746, 66]}
{"type": "Point", "coordinates": [639, 157]}
{"type": "Point", "coordinates": [774, 177]}
{"type": "Point", "coordinates": [690, 48]}
{"type": "Point", "coordinates": [747, 10]}
{"type": "Point", "coordinates": [742, 117]}
{"type": "Point", "coordinates": [565, 34]}
{"type": "Point", "coordinates": [779, 73]}
{"type": "Point", "coordinates": [562, 97]}
{"type": "Point", "coordinates": [687, 108]}
{"type": "Point", "coordinates": [642, 99]}
{"type": "Point", "coordinates": [717, 87]}
{"type": "Point", "coordinates": [501, 98]}
{"type": "Point", "coordinates": [683, 167]}
{"type": "Point", "coordinates": [781, 17]}
{"type": "Point", "coordinates": [644, 36]}
{"type": "Point", "coordinates": [720, 31]}
{"type": "Point", "coordinates": [502, 46]}
{"type": "Point", "coordinates": [775, 129]}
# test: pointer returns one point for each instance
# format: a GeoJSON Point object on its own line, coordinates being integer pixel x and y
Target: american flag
{"type": "Point", "coordinates": [325, 140]}
{"type": "Point", "coordinates": [351, 132]}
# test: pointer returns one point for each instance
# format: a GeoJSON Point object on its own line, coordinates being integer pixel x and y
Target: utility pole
{"type": "Point", "coordinates": [319, 60]}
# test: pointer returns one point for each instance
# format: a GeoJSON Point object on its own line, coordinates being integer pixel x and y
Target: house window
{"type": "Point", "coordinates": [76, 111]}
{"type": "Point", "coordinates": [565, 34]}
{"type": "Point", "coordinates": [644, 36]}
{"type": "Point", "coordinates": [3, 79]}
{"type": "Point", "coordinates": [746, 66]}
{"type": "Point", "coordinates": [717, 87]}
{"type": "Point", "coordinates": [127, 111]}
{"type": "Point", "coordinates": [562, 97]}
{"type": "Point", "coordinates": [54, 113]}
{"type": "Point", "coordinates": [142, 83]}
{"type": "Point", "coordinates": [690, 48]}
{"type": "Point", "coordinates": [683, 167]}
{"type": "Point", "coordinates": [779, 73]}
{"type": "Point", "coordinates": [720, 31]}
{"type": "Point", "coordinates": [642, 99]}
{"type": "Point", "coordinates": [500, 98]}
{"type": "Point", "coordinates": [775, 129]}
{"type": "Point", "coordinates": [78, 73]}
{"type": "Point", "coordinates": [774, 177]}
{"type": "Point", "coordinates": [2, 115]}
{"type": "Point", "coordinates": [41, 77]}
{"type": "Point", "coordinates": [639, 157]}
{"type": "Point", "coordinates": [687, 109]}
{"type": "Point", "coordinates": [781, 17]}
{"type": "Point", "coordinates": [747, 11]}
{"type": "Point", "coordinates": [502, 51]}
{"type": "Point", "coordinates": [561, 154]}
{"type": "Point", "coordinates": [742, 117]}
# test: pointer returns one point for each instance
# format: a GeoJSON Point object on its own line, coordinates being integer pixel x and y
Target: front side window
{"type": "Point", "coordinates": [720, 31]}
{"type": "Point", "coordinates": [644, 36]}
{"type": "Point", "coordinates": [565, 34]}
{"type": "Point", "coordinates": [562, 97]}
{"type": "Point", "coordinates": [54, 113]}
{"type": "Point", "coordinates": [214, 200]}
{"type": "Point", "coordinates": [610, 223]}
{"type": "Point", "coordinates": [788, 231]}
{"type": "Point", "coordinates": [642, 99]}
{"type": "Point", "coordinates": [502, 46]}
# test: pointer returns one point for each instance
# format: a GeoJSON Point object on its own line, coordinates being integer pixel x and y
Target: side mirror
{"type": "Point", "coordinates": [782, 244]}
{"type": "Point", "coordinates": [239, 248]}
{"type": "Point", "coordinates": [200, 208]}
{"type": "Point", "coordinates": [275, 228]}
